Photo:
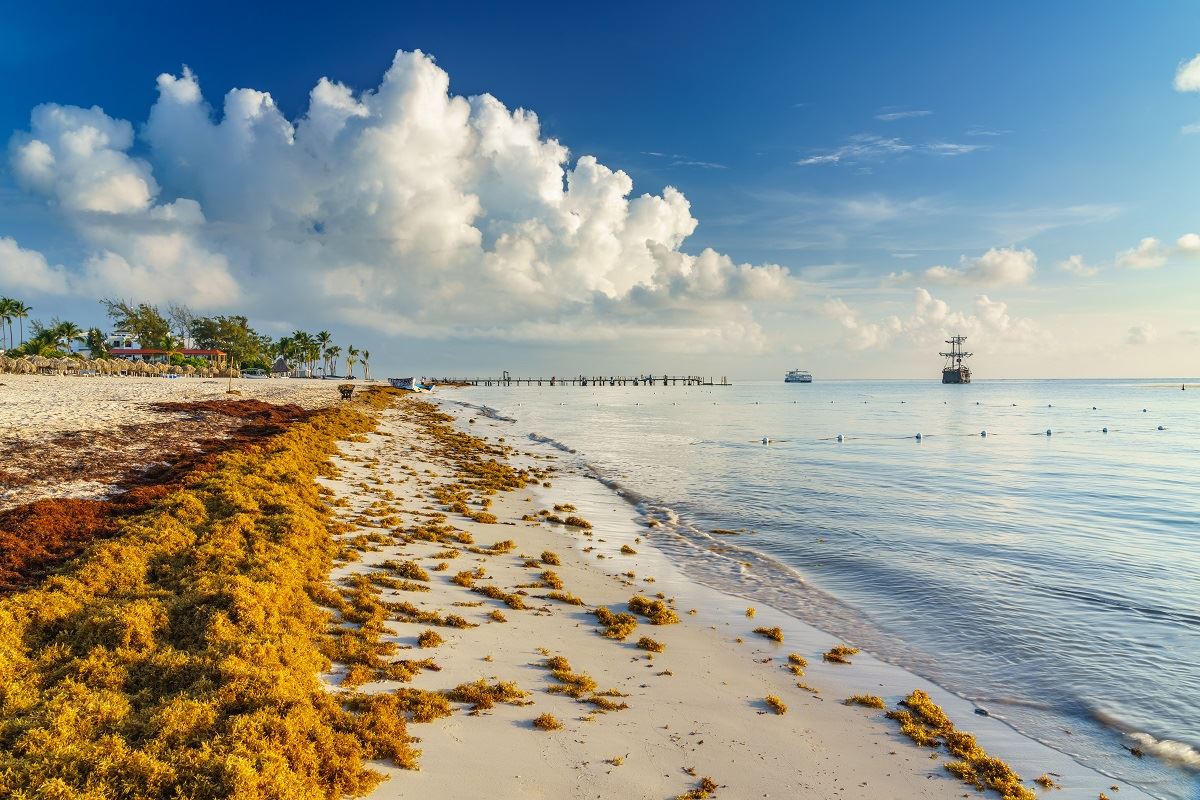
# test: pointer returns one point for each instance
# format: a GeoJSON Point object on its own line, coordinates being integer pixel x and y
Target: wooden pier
{"type": "Point", "coordinates": [593, 380]}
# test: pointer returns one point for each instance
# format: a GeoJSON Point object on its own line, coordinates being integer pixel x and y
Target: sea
{"type": "Point", "coordinates": [1031, 545]}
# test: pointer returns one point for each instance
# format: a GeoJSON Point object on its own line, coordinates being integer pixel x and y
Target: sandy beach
{"type": "Point", "coordinates": [702, 705]}
{"type": "Point", "coordinates": [696, 709]}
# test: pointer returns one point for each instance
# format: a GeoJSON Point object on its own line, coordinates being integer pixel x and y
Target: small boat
{"type": "Point", "coordinates": [407, 384]}
{"type": "Point", "coordinates": [255, 374]}
{"type": "Point", "coordinates": [798, 376]}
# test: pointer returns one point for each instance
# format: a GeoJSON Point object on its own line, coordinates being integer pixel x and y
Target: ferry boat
{"type": "Point", "coordinates": [955, 371]}
{"type": "Point", "coordinates": [798, 376]}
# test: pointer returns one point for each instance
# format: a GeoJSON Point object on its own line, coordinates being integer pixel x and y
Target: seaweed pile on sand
{"type": "Point", "coordinates": [38, 536]}
{"type": "Point", "coordinates": [180, 656]}
{"type": "Point", "coordinates": [927, 725]}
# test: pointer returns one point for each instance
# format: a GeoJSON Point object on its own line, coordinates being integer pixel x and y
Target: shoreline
{"type": "Point", "coordinates": [747, 670]}
{"type": "Point", "coordinates": [1026, 752]}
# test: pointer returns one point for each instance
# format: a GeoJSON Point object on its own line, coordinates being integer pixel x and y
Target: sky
{"type": "Point", "coordinates": [638, 188]}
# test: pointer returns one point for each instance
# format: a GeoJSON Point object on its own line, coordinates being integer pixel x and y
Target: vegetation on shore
{"type": "Point", "coordinates": [172, 332]}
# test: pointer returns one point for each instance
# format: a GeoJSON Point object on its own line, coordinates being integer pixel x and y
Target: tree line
{"type": "Point", "coordinates": [174, 331]}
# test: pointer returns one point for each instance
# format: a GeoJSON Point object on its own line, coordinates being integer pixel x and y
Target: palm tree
{"type": "Point", "coordinates": [366, 359]}
{"type": "Point", "coordinates": [331, 355]}
{"type": "Point", "coordinates": [323, 340]}
{"type": "Point", "coordinates": [303, 342]}
{"type": "Point", "coordinates": [21, 312]}
{"type": "Point", "coordinates": [8, 310]}
{"type": "Point", "coordinates": [351, 360]}
{"type": "Point", "coordinates": [67, 332]}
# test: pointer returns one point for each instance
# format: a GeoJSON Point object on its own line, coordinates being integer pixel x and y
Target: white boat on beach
{"type": "Point", "coordinates": [798, 376]}
{"type": "Point", "coordinates": [255, 374]}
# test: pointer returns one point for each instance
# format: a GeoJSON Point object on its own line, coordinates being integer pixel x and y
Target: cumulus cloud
{"type": "Point", "coordinates": [1140, 334]}
{"type": "Point", "coordinates": [76, 156]}
{"type": "Point", "coordinates": [1075, 265]}
{"type": "Point", "coordinates": [406, 208]}
{"type": "Point", "coordinates": [932, 319]}
{"type": "Point", "coordinates": [997, 267]}
{"type": "Point", "coordinates": [1149, 254]}
{"type": "Point", "coordinates": [24, 270]}
{"type": "Point", "coordinates": [1187, 76]}
{"type": "Point", "coordinates": [861, 335]}
{"type": "Point", "coordinates": [1188, 244]}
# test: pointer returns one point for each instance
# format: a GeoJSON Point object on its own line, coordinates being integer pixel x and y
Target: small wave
{"type": "Point", "coordinates": [485, 411]}
{"type": "Point", "coordinates": [1168, 750]}
{"type": "Point", "coordinates": [537, 437]}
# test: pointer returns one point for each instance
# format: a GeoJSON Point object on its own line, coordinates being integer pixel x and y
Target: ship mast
{"type": "Point", "coordinates": [956, 354]}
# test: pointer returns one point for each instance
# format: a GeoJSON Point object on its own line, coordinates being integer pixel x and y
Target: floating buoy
{"type": "Point", "coordinates": [976, 402]}
{"type": "Point", "coordinates": [1161, 428]}
{"type": "Point", "coordinates": [1014, 405]}
{"type": "Point", "coordinates": [983, 433]}
{"type": "Point", "coordinates": [1093, 408]}
{"type": "Point", "coordinates": [1049, 432]}
{"type": "Point", "coordinates": [918, 437]}
{"type": "Point", "coordinates": [1143, 411]}
{"type": "Point", "coordinates": [839, 437]}
{"type": "Point", "coordinates": [766, 440]}
{"type": "Point", "coordinates": [1104, 430]}
{"type": "Point", "coordinates": [1049, 405]}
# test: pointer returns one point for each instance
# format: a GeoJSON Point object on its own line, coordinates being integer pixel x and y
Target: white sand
{"type": "Point", "coordinates": [40, 405]}
{"type": "Point", "coordinates": [36, 410]}
{"type": "Point", "coordinates": [707, 716]}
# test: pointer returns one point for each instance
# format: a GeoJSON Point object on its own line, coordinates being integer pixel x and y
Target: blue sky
{"type": "Point", "coordinates": [843, 142]}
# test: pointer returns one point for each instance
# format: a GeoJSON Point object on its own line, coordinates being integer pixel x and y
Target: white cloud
{"type": "Point", "coordinates": [869, 147]}
{"type": "Point", "coordinates": [861, 147]}
{"type": "Point", "coordinates": [402, 208]}
{"type": "Point", "coordinates": [901, 278]}
{"type": "Point", "coordinates": [1075, 265]}
{"type": "Point", "coordinates": [76, 156]}
{"type": "Point", "coordinates": [861, 335]}
{"type": "Point", "coordinates": [1143, 333]}
{"type": "Point", "coordinates": [997, 267]}
{"type": "Point", "coordinates": [1187, 76]}
{"type": "Point", "coordinates": [892, 116]}
{"type": "Point", "coordinates": [1147, 255]}
{"type": "Point", "coordinates": [953, 148]}
{"type": "Point", "coordinates": [24, 270]}
{"type": "Point", "coordinates": [977, 130]}
{"type": "Point", "coordinates": [1190, 128]}
{"type": "Point", "coordinates": [931, 321]}
{"type": "Point", "coordinates": [1188, 244]}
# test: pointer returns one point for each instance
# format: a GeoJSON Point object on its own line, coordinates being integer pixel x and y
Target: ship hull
{"type": "Point", "coordinates": [956, 375]}
{"type": "Point", "coordinates": [806, 379]}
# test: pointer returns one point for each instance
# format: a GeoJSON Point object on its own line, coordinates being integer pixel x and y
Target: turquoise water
{"type": "Point", "coordinates": [1052, 579]}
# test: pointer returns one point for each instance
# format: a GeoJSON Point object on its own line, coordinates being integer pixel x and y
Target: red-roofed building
{"type": "Point", "coordinates": [152, 355]}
